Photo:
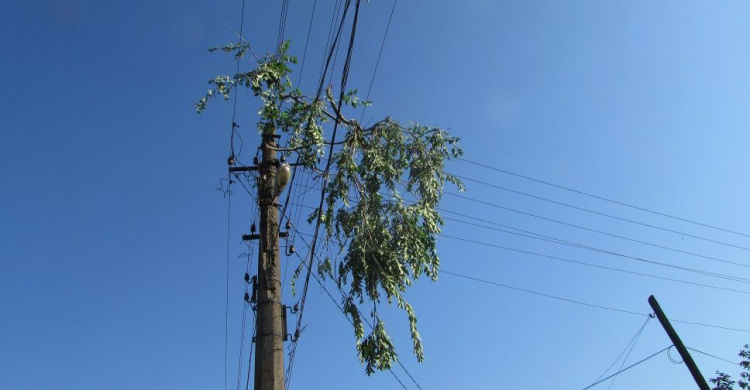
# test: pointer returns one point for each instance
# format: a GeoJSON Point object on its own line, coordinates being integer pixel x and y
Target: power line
{"type": "Point", "coordinates": [341, 309]}
{"type": "Point", "coordinates": [334, 16]}
{"type": "Point", "coordinates": [246, 305]}
{"type": "Point", "coordinates": [528, 291]}
{"type": "Point", "coordinates": [543, 294]}
{"type": "Point", "coordinates": [242, 343]}
{"type": "Point", "coordinates": [578, 262]}
{"type": "Point", "coordinates": [713, 356]}
{"type": "Point", "coordinates": [343, 296]}
{"type": "Point", "coordinates": [625, 369]}
{"type": "Point", "coordinates": [250, 356]}
{"type": "Point", "coordinates": [237, 71]}
{"type": "Point", "coordinates": [627, 346]}
{"type": "Point", "coordinates": [711, 326]}
{"type": "Point", "coordinates": [307, 42]}
{"type": "Point", "coordinates": [226, 303]}
{"type": "Point", "coordinates": [603, 198]}
{"type": "Point", "coordinates": [330, 155]}
{"type": "Point", "coordinates": [608, 234]}
{"type": "Point", "coordinates": [570, 224]}
{"type": "Point", "coordinates": [599, 250]}
{"type": "Point", "coordinates": [344, 79]}
{"type": "Point", "coordinates": [229, 200]}
{"type": "Point", "coordinates": [282, 24]}
{"type": "Point", "coordinates": [591, 211]}
{"type": "Point", "coordinates": [377, 63]}
{"type": "Point", "coordinates": [588, 264]}
{"type": "Point", "coordinates": [632, 346]}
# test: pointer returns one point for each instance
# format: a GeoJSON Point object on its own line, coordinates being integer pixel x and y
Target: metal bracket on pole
{"type": "Point", "coordinates": [248, 237]}
{"type": "Point", "coordinates": [287, 335]}
{"type": "Point", "coordinates": [242, 169]}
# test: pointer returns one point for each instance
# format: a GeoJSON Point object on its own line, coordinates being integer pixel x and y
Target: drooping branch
{"type": "Point", "coordinates": [388, 241]}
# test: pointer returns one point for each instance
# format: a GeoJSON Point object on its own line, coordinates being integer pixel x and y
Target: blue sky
{"type": "Point", "coordinates": [114, 240]}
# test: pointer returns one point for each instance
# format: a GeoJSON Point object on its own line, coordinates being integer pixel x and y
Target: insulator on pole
{"type": "Point", "coordinates": [283, 175]}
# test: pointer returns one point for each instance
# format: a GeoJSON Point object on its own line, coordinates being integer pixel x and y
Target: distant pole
{"type": "Point", "coordinates": [269, 340]}
{"type": "Point", "coordinates": [699, 380]}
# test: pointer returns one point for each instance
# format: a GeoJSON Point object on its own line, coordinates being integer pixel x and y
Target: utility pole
{"type": "Point", "coordinates": [269, 339]}
{"type": "Point", "coordinates": [699, 380]}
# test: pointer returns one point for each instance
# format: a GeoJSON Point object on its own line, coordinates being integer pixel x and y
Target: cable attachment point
{"type": "Point", "coordinates": [247, 277]}
{"type": "Point", "coordinates": [287, 336]}
{"type": "Point", "coordinates": [252, 228]}
{"type": "Point", "coordinates": [230, 160]}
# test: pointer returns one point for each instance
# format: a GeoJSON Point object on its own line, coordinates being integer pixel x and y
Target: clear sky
{"type": "Point", "coordinates": [114, 239]}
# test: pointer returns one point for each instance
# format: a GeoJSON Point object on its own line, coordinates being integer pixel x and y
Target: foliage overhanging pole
{"type": "Point", "coordinates": [380, 208]}
{"type": "Point", "coordinates": [689, 362]}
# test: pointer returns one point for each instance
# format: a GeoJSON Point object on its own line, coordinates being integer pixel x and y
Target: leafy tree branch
{"type": "Point", "coordinates": [383, 187]}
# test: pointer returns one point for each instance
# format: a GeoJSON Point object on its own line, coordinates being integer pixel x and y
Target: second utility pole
{"type": "Point", "coordinates": [269, 340]}
{"type": "Point", "coordinates": [689, 362]}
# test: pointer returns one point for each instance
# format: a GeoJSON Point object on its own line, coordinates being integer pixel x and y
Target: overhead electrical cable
{"type": "Point", "coordinates": [344, 78]}
{"type": "Point", "coordinates": [630, 350]}
{"type": "Point", "coordinates": [250, 355]}
{"type": "Point", "coordinates": [551, 257]}
{"type": "Point", "coordinates": [282, 24]}
{"type": "Point", "coordinates": [343, 296]}
{"type": "Point", "coordinates": [625, 350]}
{"type": "Point", "coordinates": [627, 368]}
{"type": "Point", "coordinates": [307, 42]}
{"type": "Point", "coordinates": [566, 223]}
{"type": "Point", "coordinates": [232, 156]}
{"type": "Point", "coordinates": [242, 344]}
{"type": "Point", "coordinates": [341, 309]}
{"type": "Point", "coordinates": [329, 160]}
{"type": "Point", "coordinates": [599, 250]}
{"type": "Point", "coordinates": [611, 235]}
{"type": "Point", "coordinates": [581, 303]}
{"type": "Point", "coordinates": [332, 42]}
{"type": "Point", "coordinates": [595, 212]}
{"type": "Point", "coordinates": [377, 63]}
{"type": "Point", "coordinates": [713, 356]}
{"type": "Point", "coordinates": [590, 264]}
{"type": "Point", "coordinates": [691, 221]}
{"type": "Point", "coordinates": [248, 265]}
{"type": "Point", "coordinates": [743, 330]}
{"type": "Point", "coordinates": [624, 311]}
{"type": "Point", "coordinates": [331, 29]}
{"type": "Point", "coordinates": [226, 303]}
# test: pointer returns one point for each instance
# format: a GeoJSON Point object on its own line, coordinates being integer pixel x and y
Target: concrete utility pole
{"type": "Point", "coordinates": [699, 380]}
{"type": "Point", "coordinates": [269, 339]}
